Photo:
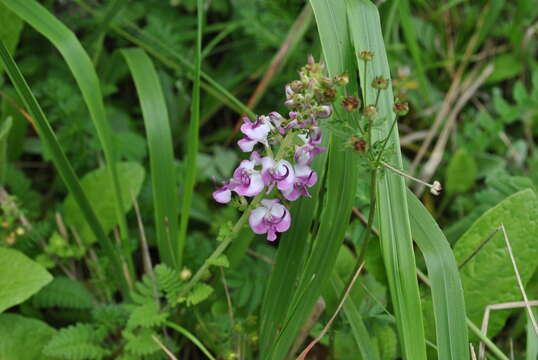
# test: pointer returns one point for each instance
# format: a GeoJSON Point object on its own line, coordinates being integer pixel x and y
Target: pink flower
{"type": "Point", "coordinates": [279, 172]}
{"type": "Point", "coordinates": [277, 120]}
{"type": "Point", "coordinates": [304, 177]}
{"type": "Point", "coordinates": [256, 132]}
{"type": "Point", "coordinates": [246, 179]}
{"type": "Point", "coordinates": [271, 217]}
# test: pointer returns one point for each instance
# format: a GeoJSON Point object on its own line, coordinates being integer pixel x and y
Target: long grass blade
{"type": "Point", "coordinates": [84, 73]}
{"type": "Point", "coordinates": [446, 288]}
{"type": "Point", "coordinates": [193, 139]}
{"type": "Point", "coordinates": [341, 182]}
{"type": "Point", "coordinates": [62, 164]}
{"type": "Point", "coordinates": [163, 178]}
{"type": "Point", "coordinates": [395, 230]}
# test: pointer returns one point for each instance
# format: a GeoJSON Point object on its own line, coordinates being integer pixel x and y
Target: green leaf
{"type": "Point", "coordinates": [392, 212]}
{"type": "Point", "coordinates": [199, 293]}
{"type": "Point", "coordinates": [489, 277]}
{"type": "Point", "coordinates": [77, 342]}
{"type": "Point", "coordinates": [5, 128]}
{"type": "Point", "coordinates": [17, 344]}
{"type": "Point", "coordinates": [147, 315]}
{"type": "Point", "coordinates": [99, 190]}
{"type": "Point", "coordinates": [10, 30]}
{"type": "Point", "coordinates": [461, 172]}
{"type": "Point", "coordinates": [507, 66]}
{"type": "Point", "coordinates": [63, 292]}
{"type": "Point", "coordinates": [163, 176]}
{"type": "Point", "coordinates": [446, 289]}
{"type": "Point", "coordinates": [20, 278]}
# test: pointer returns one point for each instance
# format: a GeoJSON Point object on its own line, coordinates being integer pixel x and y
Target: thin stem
{"type": "Point", "coordinates": [377, 97]}
{"type": "Point", "coordinates": [399, 172]}
{"type": "Point", "coordinates": [191, 337]}
{"type": "Point", "coordinates": [386, 141]}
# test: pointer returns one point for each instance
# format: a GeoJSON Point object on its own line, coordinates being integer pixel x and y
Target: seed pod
{"type": "Point", "coordinates": [366, 55]}
{"type": "Point", "coordinates": [350, 103]}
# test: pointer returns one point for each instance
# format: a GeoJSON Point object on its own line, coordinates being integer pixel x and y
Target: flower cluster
{"type": "Point", "coordinates": [294, 139]}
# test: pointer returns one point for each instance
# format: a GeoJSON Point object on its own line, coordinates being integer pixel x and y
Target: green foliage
{"type": "Point", "coordinates": [98, 187]}
{"type": "Point", "coordinates": [77, 342]}
{"type": "Point", "coordinates": [489, 277]}
{"type": "Point", "coordinates": [199, 293]}
{"type": "Point", "coordinates": [64, 293]}
{"type": "Point", "coordinates": [23, 338]}
{"type": "Point", "coordinates": [20, 278]}
{"type": "Point", "coordinates": [146, 315]}
{"type": "Point", "coordinates": [168, 282]}
{"type": "Point", "coordinates": [142, 343]}
{"type": "Point", "coordinates": [460, 173]}
{"type": "Point", "coordinates": [11, 29]}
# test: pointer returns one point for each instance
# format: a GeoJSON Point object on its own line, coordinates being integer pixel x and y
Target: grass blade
{"type": "Point", "coordinates": [392, 209]}
{"type": "Point", "coordinates": [161, 154]}
{"type": "Point", "coordinates": [61, 163]}
{"type": "Point", "coordinates": [193, 139]}
{"type": "Point", "coordinates": [341, 181]}
{"type": "Point", "coordinates": [84, 73]}
{"type": "Point", "coordinates": [446, 288]}
{"type": "Point", "coordinates": [5, 127]}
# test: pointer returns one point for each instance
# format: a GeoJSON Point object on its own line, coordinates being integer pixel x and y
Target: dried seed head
{"type": "Point", "coordinates": [350, 103]}
{"type": "Point", "coordinates": [329, 95]}
{"type": "Point", "coordinates": [359, 145]}
{"type": "Point", "coordinates": [366, 55]}
{"type": "Point", "coordinates": [400, 108]}
{"type": "Point", "coordinates": [380, 83]}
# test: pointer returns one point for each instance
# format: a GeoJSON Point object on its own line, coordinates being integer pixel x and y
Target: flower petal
{"type": "Point", "coordinates": [247, 144]}
{"type": "Point", "coordinates": [222, 195]}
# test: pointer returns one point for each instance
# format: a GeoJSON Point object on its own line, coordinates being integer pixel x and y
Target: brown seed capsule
{"type": "Point", "coordinates": [366, 55]}
{"type": "Point", "coordinates": [329, 95]}
{"type": "Point", "coordinates": [341, 80]}
{"type": "Point", "coordinates": [380, 83]}
{"type": "Point", "coordinates": [350, 103]}
{"type": "Point", "coordinates": [400, 108]}
{"type": "Point", "coordinates": [359, 145]}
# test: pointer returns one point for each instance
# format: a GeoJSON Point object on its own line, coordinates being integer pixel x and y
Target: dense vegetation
{"type": "Point", "coordinates": [381, 202]}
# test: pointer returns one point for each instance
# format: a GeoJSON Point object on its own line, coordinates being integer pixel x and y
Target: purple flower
{"type": "Point", "coordinates": [256, 132]}
{"type": "Point", "coordinates": [306, 153]}
{"type": "Point", "coordinates": [304, 177]}
{"type": "Point", "coordinates": [271, 217]}
{"type": "Point", "coordinates": [277, 120]}
{"type": "Point", "coordinates": [324, 111]}
{"type": "Point", "coordinates": [279, 172]}
{"type": "Point", "coordinates": [247, 181]}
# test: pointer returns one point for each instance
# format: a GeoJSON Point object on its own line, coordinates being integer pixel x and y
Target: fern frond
{"type": "Point", "coordinates": [143, 291]}
{"type": "Point", "coordinates": [111, 316]}
{"type": "Point", "coordinates": [63, 292]}
{"type": "Point", "coordinates": [77, 342]}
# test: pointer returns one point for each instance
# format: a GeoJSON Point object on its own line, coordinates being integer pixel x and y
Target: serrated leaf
{"type": "Point", "coordinates": [199, 293]}
{"type": "Point", "coordinates": [20, 278]}
{"type": "Point", "coordinates": [63, 292]}
{"type": "Point", "coordinates": [142, 343]}
{"type": "Point", "coordinates": [16, 344]}
{"type": "Point", "coordinates": [77, 342]}
{"type": "Point", "coordinates": [147, 315]}
{"type": "Point", "coordinates": [489, 277]}
{"type": "Point", "coordinates": [98, 188]}
{"type": "Point", "coordinates": [221, 260]}
{"type": "Point", "coordinates": [461, 172]}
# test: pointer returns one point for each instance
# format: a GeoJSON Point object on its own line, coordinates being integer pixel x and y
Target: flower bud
{"type": "Point", "coordinates": [358, 145]}
{"type": "Point", "coordinates": [341, 80]}
{"type": "Point", "coordinates": [436, 188]}
{"type": "Point", "coordinates": [380, 83]}
{"type": "Point", "coordinates": [350, 103]}
{"type": "Point", "coordinates": [370, 111]}
{"type": "Point", "coordinates": [20, 231]}
{"type": "Point", "coordinates": [324, 111]}
{"type": "Point", "coordinates": [329, 95]}
{"type": "Point", "coordinates": [366, 55]}
{"type": "Point", "coordinates": [185, 274]}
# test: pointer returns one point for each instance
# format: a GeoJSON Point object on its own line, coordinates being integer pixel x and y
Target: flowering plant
{"type": "Point", "coordinates": [289, 145]}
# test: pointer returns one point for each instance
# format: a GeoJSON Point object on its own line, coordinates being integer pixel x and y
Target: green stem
{"type": "Point", "coordinates": [191, 337]}
{"type": "Point", "coordinates": [386, 141]}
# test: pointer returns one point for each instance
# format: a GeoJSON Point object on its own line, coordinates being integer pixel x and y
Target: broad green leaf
{"type": "Point", "coordinates": [23, 338]}
{"type": "Point", "coordinates": [99, 190]}
{"type": "Point", "coordinates": [161, 153]}
{"type": "Point", "coordinates": [460, 173]}
{"type": "Point", "coordinates": [489, 277]}
{"type": "Point", "coordinates": [446, 289]}
{"type": "Point", "coordinates": [392, 211]}
{"type": "Point", "coordinates": [20, 278]}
